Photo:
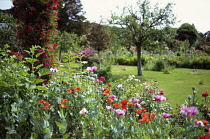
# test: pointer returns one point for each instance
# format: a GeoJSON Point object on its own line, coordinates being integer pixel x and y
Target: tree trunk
{"type": "Point", "coordinates": [139, 65]}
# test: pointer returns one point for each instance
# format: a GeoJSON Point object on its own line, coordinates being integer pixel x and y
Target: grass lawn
{"type": "Point", "coordinates": [177, 85]}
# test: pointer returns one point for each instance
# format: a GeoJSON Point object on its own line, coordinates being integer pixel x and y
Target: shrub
{"type": "Point", "coordinates": [160, 65]}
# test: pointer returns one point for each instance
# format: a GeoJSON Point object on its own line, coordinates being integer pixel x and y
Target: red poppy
{"type": "Point", "coordinates": [71, 91]}
{"type": "Point", "coordinates": [109, 100]}
{"type": "Point", "coordinates": [62, 106]}
{"type": "Point", "coordinates": [63, 100]}
{"type": "Point", "coordinates": [78, 89]}
{"type": "Point", "coordinates": [116, 105]}
{"type": "Point", "coordinates": [45, 107]}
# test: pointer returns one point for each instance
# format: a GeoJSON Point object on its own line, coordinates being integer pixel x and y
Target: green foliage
{"type": "Point", "coordinates": [71, 17]}
{"type": "Point", "coordinates": [8, 31]}
{"type": "Point", "coordinates": [160, 65]}
{"type": "Point", "coordinates": [187, 32]}
{"type": "Point", "coordinates": [74, 105]}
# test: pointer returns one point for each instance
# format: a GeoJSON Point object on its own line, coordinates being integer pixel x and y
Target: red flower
{"type": "Point", "coordinates": [44, 102]}
{"type": "Point", "coordinates": [63, 100]}
{"type": "Point", "coordinates": [45, 107]}
{"type": "Point", "coordinates": [78, 89]}
{"type": "Point", "coordinates": [109, 100]}
{"type": "Point", "coordinates": [62, 106]}
{"type": "Point", "coordinates": [71, 91]}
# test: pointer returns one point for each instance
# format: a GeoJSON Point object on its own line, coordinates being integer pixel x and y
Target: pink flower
{"type": "Point", "coordinates": [120, 112]}
{"type": "Point", "coordinates": [110, 108]}
{"type": "Point", "coordinates": [83, 111]}
{"type": "Point", "coordinates": [102, 78]}
{"type": "Point", "coordinates": [160, 98]}
{"type": "Point", "coordinates": [166, 115]}
{"type": "Point", "coordinates": [119, 86]}
{"type": "Point", "coordinates": [112, 97]}
{"type": "Point", "coordinates": [205, 94]}
{"type": "Point", "coordinates": [138, 105]}
{"type": "Point", "coordinates": [198, 123]}
{"type": "Point", "coordinates": [92, 69]}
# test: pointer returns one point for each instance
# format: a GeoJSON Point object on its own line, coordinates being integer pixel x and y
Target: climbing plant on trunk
{"type": "Point", "coordinates": [38, 19]}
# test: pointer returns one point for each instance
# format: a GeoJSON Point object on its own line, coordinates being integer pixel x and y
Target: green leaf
{"type": "Point", "coordinates": [38, 81]}
{"type": "Point", "coordinates": [31, 60]}
{"type": "Point", "coordinates": [2, 83]}
{"type": "Point", "coordinates": [59, 125]}
{"type": "Point", "coordinates": [46, 130]}
{"type": "Point", "coordinates": [34, 136]}
{"type": "Point", "coordinates": [41, 87]}
{"type": "Point", "coordinates": [66, 136]}
{"type": "Point", "coordinates": [43, 71]}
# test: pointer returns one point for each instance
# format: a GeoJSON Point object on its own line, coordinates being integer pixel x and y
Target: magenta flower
{"type": "Point", "coordinates": [134, 100]}
{"type": "Point", "coordinates": [191, 111]}
{"type": "Point", "coordinates": [205, 94]}
{"type": "Point", "coordinates": [151, 91]}
{"type": "Point", "coordinates": [166, 115]}
{"type": "Point", "coordinates": [160, 98]}
{"type": "Point", "coordinates": [102, 78]}
{"type": "Point", "coordinates": [161, 92]}
{"type": "Point", "coordinates": [120, 112]}
{"type": "Point", "coordinates": [92, 69]}
{"type": "Point", "coordinates": [119, 86]}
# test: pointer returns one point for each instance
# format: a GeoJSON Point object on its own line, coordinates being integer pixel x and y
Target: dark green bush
{"type": "Point", "coordinates": [160, 65]}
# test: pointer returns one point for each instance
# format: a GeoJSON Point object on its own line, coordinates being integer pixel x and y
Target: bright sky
{"type": "Point", "coordinates": [187, 11]}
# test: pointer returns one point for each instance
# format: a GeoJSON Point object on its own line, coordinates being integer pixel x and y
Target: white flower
{"type": "Point", "coordinates": [83, 111]}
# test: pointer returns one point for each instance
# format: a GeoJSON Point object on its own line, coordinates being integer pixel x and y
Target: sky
{"type": "Point", "coordinates": [186, 11]}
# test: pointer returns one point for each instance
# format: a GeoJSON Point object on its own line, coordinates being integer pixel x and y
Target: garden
{"type": "Point", "coordinates": [59, 85]}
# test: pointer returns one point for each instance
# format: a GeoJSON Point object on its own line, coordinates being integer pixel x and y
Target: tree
{"type": "Point", "coordinates": [99, 37]}
{"type": "Point", "coordinates": [140, 22]}
{"type": "Point", "coordinates": [187, 32]}
{"type": "Point", "coordinates": [71, 17]}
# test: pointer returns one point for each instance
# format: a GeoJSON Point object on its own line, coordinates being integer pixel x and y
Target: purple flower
{"type": "Point", "coordinates": [190, 111]}
{"type": "Point", "coordinates": [166, 115]}
{"type": "Point", "coordinates": [134, 100]}
{"type": "Point", "coordinates": [198, 123]}
{"type": "Point", "coordinates": [138, 105]}
{"type": "Point", "coordinates": [120, 112]}
{"type": "Point", "coordinates": [160, 98]}
{"type": "Point", "coordinates": [119, 86]}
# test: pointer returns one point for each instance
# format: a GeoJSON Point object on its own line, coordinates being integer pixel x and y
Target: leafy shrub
{"type": "Point", "coordinates": [160, 65]}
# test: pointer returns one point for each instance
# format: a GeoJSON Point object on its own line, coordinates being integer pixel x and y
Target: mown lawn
{"type": "Point", "coordinates": [177, 85]}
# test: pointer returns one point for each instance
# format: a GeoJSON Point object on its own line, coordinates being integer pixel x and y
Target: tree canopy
{"type": "Point", "coordinates": [71, 16]}
{"type": "Point", "coordinates": [187, 32]}
{"type": "Point", "coordinates": [139, 23]}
